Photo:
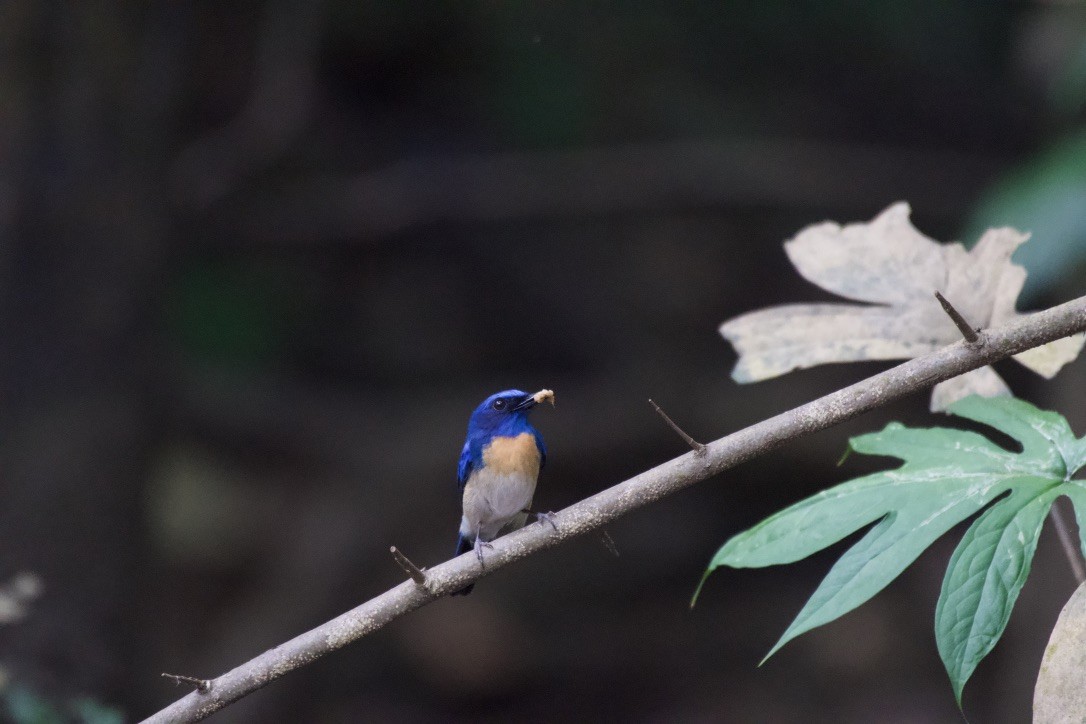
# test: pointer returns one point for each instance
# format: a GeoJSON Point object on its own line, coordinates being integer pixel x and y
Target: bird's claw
{"type": "Point", "coordinates": [542, 518]}
{"type": "Point", "coordinates": [479, 546]}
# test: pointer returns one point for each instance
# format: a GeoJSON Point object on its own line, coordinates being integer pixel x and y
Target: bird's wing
{"type": "Point", "coordinates": [463, 470]}
{"type": "Point", "coordinates": [541, 447]}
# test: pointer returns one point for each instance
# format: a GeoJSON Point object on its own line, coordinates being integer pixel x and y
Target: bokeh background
{"type": "Point", "coordinates": [259, 260]}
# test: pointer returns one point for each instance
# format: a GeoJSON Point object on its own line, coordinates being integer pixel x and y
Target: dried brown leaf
{"type": "Point", "coordinates": [896, 270]}
{"type": "Point", "coordinates": [1060, 694]}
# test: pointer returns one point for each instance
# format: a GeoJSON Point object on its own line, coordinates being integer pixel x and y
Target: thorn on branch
{"type": "Point", "coordinates": [963, 326]}
{"type": "Point", "coordinates": [408, 567]}
{"type": "Point", "coordinates": [697, 447]}
{"type": "Point", "coordinates": [202, 685]}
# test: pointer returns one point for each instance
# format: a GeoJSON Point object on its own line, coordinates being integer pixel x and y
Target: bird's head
{"type": "Point", "coordinates": [507, 410]}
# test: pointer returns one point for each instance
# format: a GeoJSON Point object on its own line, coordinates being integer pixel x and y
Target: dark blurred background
{"type": "Point", "coordinates": [259, 260]}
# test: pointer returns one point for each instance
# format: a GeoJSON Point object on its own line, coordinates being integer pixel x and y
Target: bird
{"type": "Point", "coordinates": [498, 470]}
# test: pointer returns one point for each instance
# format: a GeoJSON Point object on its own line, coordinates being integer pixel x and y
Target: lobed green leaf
{"type": "Point", "coordinates": [946, 476]}
{"type": "Point", "coordinates": [985, 575]}
{"type": "Point", "coordinates": [1047, 440]}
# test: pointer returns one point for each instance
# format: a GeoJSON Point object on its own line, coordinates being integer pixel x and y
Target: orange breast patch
{"type": "Point", "coordinates": [509, 455]}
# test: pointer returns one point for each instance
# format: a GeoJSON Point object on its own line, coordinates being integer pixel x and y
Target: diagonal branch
{"type": "Point", "coordinates": [381, 202]}
{"type": "Point", "coordinates": [663, 480]}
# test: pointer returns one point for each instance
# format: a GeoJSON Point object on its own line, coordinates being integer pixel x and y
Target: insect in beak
{"type": "Point", "coordinates": [531, 401]}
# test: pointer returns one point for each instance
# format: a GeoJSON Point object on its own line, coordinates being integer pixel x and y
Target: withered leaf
{"type": "Point", "coordinates": [1060, 693]}
{"type": "Point", "coordinates": [896, 270]}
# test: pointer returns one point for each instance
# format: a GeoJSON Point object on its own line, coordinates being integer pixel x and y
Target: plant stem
{"type": "Point", "coordinates": [1063, 530]}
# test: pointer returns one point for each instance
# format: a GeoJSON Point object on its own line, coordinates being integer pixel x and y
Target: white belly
{"type": "Point", "coordinates": [494, 501]}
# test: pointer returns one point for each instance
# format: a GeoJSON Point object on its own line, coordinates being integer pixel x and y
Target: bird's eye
{"type": "Point", "coordinates": [499, 405]}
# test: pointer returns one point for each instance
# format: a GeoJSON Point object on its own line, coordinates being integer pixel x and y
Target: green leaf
{"type": "Point", "coordinates": [90, 711]}
{"type": "Point", "coordinates": [1047, 440]}
{"type": "Point", "coordinates": [946, 476]}
{"type": "Point", "coordinates": [26, 707]}
{"type": "Point", "coordinates": [985, 575]}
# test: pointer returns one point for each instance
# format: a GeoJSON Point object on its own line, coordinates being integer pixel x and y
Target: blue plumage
{"type": "Point", "coordinates": [499, 467]}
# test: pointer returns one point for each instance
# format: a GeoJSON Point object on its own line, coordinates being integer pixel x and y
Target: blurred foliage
{"type": "Point", "coordinates": [1045, 193]}
{"type": "Point", "coordinates": [235, 312]}
{"type": "Point", "coordinates": [24, 706]}
{"type": "Point", "coordinates": [1046, 196]}
{"type": "Point", "coordinates": [204, 512]}
{"type": "Point", "coordinates": [1069, 89]}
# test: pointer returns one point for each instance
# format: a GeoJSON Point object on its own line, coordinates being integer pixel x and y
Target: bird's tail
{"type": "Point", "coordinates": [463, 546]}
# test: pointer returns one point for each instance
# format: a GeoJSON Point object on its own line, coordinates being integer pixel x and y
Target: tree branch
{"type": "Point", "coordinates": [381, 202]}
{"type": "Point", "coordinates": [663, 480]}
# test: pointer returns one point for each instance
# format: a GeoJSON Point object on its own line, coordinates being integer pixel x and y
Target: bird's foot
{"type": "Point", "coordinates": [548, 517]}
{"type": "Point", "coordinates": [479, 546]}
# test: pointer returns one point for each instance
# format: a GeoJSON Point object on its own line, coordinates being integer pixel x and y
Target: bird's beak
{"type": "Point", "coordinates": [531, 401]}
